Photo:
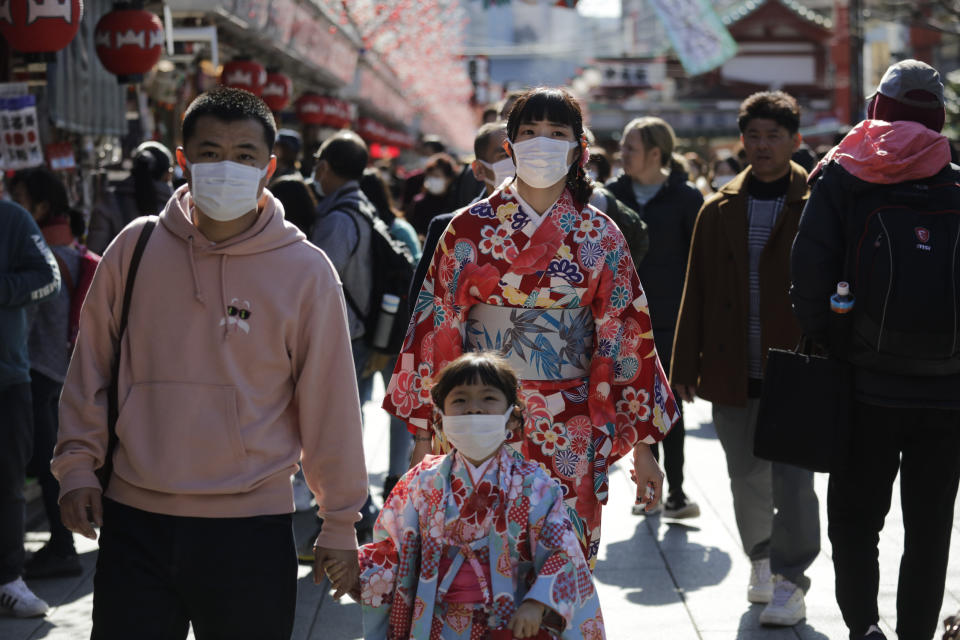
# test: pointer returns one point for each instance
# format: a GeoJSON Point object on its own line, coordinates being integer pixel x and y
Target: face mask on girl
{"type": "Point", "coordinates": [435, 185]}
{"type": "Point", "coordinates": [226, 190]}
{"type": "Point", "coordinates": [476, 436]}
{"type": "Point", "coordinates": [503, 170]}
{"type": "Point", "coordinates": [542, 162]}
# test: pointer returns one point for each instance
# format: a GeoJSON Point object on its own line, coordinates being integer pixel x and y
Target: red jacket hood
{"type": "Point", "coordinates": [886, 153]}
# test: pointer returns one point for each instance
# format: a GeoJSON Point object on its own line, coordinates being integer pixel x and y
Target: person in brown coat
{"type": "Point", "coordinates": [735, 307]}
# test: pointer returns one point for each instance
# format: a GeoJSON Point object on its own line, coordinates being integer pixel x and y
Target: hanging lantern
{"type": "Point", "coordinates": [32, 26]}
{"type": "Point", "coordinates": [244, 74]}
{"type": "Point", "coordinates": [129, 42]}
{"type": "Point", "coordinates": [277, 91]}
{"type": "Point", "coordinates": [330, 112]}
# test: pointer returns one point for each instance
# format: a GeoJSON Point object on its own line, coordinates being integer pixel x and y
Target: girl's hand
{"type": "Point", "coordinates": [526, 621]}
{"type": "Point", "coordinates": [647, 475]}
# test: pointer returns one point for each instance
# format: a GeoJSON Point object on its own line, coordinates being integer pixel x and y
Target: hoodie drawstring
{"type": "Point", "coordinates": [197, 293]}
{"type": "Point", "coordinates": [223, 293]}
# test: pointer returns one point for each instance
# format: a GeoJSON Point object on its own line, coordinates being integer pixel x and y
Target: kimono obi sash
{"type": "Point", "coordinates": [540, 344]}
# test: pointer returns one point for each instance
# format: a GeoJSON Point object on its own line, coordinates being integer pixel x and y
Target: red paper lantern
{"type": "Point", "coordinates": [39, 26]}
{"type": "Point", "coordinates": [129, 42]}
{"type": "Point", "coordinates": [331, 112]}
{"type": "Point", "coordinates": [277, 91]}
{"type": "Point", "coordinates": [244, 74]}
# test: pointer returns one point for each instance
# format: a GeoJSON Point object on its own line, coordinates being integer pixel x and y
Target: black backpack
{"type": "Point", "coordinates": [904, 269]}
{"type": "Point", "coordinates": [392, 269]}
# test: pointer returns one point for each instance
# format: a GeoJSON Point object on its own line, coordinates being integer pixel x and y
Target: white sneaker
{"type": "Point", "coordinates": [760, 590]}
{"type": "Point", "coordinates": [787, 607]}
{"type": "Point", "coordinates": [17, 600]}
{"type": "Point", "coordinates": [302, 498]}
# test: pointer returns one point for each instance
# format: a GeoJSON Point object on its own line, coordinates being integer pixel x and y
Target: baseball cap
{"type": "Point", "coordinates": [905, 77]}
{"type": "Point", "coordinates": [290, 137]}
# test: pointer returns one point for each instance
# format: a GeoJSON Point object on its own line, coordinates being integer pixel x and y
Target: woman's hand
{"type": "Point", "coordinates": [526, 620]}
{"type": "Point", "coordinates": [342, 566]}
{"type": "Point", "coordinates": [422, 445]}
{"type": "Point", "coordinates": [647, 475]}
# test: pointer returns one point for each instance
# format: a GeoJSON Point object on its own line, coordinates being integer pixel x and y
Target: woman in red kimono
{"type": "Point", "coordinates": [539, 275]}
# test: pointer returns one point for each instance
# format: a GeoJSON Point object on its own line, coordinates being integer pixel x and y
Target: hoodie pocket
{"type": "Point", "coordinates": [180, 437]}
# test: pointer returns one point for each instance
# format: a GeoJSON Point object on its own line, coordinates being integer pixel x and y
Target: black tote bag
{"type": "Point", "coordinates": [805, 404]}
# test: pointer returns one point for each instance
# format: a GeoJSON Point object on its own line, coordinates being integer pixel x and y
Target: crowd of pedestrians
{"type": "Point", "coordinates": [547, 309]}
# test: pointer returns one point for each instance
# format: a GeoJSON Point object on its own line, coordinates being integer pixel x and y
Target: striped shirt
{"type": "Point", "coordinates": [761, 218]}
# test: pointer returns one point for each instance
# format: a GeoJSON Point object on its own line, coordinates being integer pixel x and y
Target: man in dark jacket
{"type": "Point", "coordinates": [30, 275]}
{"type": "Point", "coordinates": [887, 174]}
{"type": "Point", "coordinates": [735, 307]}
{"type": "Point", "coordinates": [668, 205]}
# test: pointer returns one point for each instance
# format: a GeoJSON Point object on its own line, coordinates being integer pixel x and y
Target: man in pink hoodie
{"type": "Point", "coordinates": [233, 365]}
{"type": "Point", "coordinates": [884, 215]}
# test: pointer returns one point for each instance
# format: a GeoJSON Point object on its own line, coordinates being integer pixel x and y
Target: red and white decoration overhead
{"type": "Point", "coordinates": [244, 74]}
{"type": "Point", "coordinates": [376, 133]}
{"type": "Point", "coordinates": [313, 108]}
{"type": "Point", "coordinates": [277, 91]}
{"type": "Point", "coordinates": [129, 42]}
{"type": "Point", "coordinates": [40, 26]}
{"type": "Point", "coordinates": [420, 41]}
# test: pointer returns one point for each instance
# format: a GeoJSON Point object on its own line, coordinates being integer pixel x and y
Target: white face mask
{"type": "Point", "coordinates": [476, 435]}
{"type": "Point", "coordinates": [542, 162]}
{"type": "Point", "coordinates": [226, 190]}
{"type": "Point", "coordinates": [503, 170]}
{"type": "Point", "coordinates": [435, 185]}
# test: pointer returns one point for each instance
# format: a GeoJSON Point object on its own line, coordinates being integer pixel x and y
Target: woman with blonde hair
{"type": "Point", "coordinates": [657, 187]}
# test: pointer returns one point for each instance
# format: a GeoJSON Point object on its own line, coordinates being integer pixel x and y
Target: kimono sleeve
{"type": "Point", "coordinates": [434, 337]}
{"type": "Point", "coordinates": [563, 582]}
{"type": "Point", "coordinates": [383, 562]}
{"type": "Point", "coordinates": [628, 387]}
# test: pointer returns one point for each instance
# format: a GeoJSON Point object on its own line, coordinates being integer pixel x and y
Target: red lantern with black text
{"type": "Point", "coordinates": [40, 26]}
{"type": "Point", "coordinates": [244, 74]}
{"type": "Point", "coordinates": [277, 91]}
{"type": "Point", "coordinates": [129, 43]}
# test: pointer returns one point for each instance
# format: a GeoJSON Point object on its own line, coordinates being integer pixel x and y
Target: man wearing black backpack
{"type": "Point", "coordinates": [884, 214]}
{"type": "Point", "coordinates": [359, 245]}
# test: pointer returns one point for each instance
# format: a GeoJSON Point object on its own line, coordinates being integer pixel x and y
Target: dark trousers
{"type": "Point", "coordinates": [16, 440]}
{"type": "Point", "coordinates": [673, 453]}
{"type": "Point", "coordinates": [46, 397]}
{"type": "Point", "coordinates": [230, 577]}
{"type": "Point", "coordinates": [924, 445]}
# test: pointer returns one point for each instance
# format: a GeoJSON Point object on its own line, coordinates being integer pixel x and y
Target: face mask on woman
{"type": "Point", "coordinates": [226, 190]}
{"type": "Point", "coordinates": [435, 185]}
{"type": "Point", "coordinates": [542, 162]}
{"type": "Point", "coordinates": [476, 435]}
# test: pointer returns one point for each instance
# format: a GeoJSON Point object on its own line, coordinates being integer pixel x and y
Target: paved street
{"type": "Point", "coordinates": [657, 579]}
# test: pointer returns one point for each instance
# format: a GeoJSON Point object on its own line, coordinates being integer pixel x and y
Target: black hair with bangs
{"type": "Point", "coordinates": [554, 104]}
{"type": "Point", "coordinates": [476, 367]}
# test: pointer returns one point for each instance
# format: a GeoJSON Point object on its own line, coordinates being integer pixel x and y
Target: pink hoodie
{"type": "Point", "coordinates": [236, 357]}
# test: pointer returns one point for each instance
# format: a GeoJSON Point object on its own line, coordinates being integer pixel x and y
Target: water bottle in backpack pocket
{"type": "Point", "coordinates": [905, 270]}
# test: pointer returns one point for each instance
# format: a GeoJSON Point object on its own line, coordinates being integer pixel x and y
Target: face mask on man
{"type": "Point", "coordinates": [476, 435]}
{"type": "Point", "coordinates": [226, 190]}
{"type": "Point", "coordinates": [435, 185]}
{"type": "Point", "coordinates": [503, 170]}
{"type": "Point", "coordinates": [542, 162]}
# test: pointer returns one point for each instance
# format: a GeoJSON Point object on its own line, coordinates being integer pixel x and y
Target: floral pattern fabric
{"type": "Point", "coordinates": [496, 253]}
{"type": "Point", "coordinates": [512, 519]}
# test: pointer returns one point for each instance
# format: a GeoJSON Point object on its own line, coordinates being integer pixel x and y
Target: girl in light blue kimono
{"type": "Point", "coordinates": [476, 543]}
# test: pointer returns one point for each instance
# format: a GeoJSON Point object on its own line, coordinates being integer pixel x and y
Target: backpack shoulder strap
{"type": "Point", "coordinates": [65, 276]}
{"type": "Point", "coordinates": [113, 392]}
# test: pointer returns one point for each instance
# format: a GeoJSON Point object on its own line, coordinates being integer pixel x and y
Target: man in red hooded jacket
{"type": "Point", "coordinates": [884, 214]}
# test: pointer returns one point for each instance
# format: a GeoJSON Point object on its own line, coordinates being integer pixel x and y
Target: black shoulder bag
{"type": "Point", "coordinates": [804, 417]}
{"type": "Point", "coordinates": [113, 392]}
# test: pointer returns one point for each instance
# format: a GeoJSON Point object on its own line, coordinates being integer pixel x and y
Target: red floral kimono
{"type": "Point", "coordinates": [572, 259]}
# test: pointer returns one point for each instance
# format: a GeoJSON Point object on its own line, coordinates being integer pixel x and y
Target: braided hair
{"type": "Point", "coordinates": [556, 105]}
